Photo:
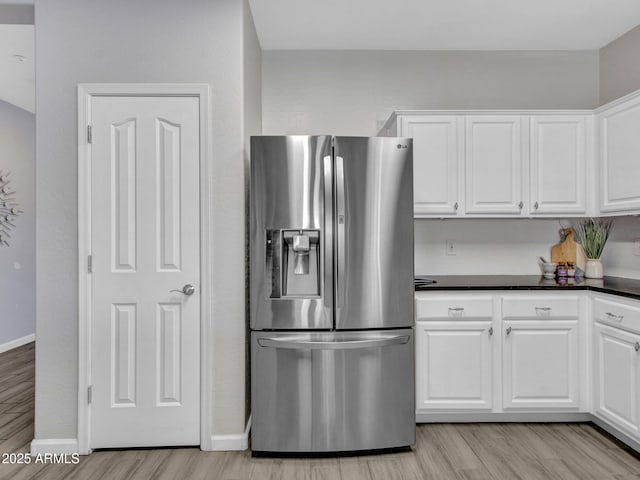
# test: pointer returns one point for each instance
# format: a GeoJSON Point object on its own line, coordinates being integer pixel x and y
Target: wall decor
{"type": "Point", "coordinates": [8, 208]}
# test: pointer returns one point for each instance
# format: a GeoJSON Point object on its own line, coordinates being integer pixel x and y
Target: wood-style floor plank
{"type": "Point", "coordinates": [502, 451]}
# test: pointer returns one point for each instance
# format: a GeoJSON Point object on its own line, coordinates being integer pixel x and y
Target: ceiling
{"type": "Point", "coordinates": [17, 81]}
{"type": "Point", "coordinates": [442, 24]}
{"type": "Point", "coordinates": [386, 25]}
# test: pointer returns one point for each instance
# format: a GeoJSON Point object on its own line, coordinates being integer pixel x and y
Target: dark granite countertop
{"type": "Point", "coordinates": [614, 285]}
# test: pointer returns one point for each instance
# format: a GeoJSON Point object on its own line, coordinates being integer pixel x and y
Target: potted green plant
{"type": "Point", "coordinates": [593, 234]}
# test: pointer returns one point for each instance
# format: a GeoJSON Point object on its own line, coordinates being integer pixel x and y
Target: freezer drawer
{"type": "Point", "coordinates": [326, 392]}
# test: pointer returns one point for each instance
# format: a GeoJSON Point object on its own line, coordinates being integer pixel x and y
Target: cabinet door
{"type": "Point", "coordinates": [616, 366]}
{"type": "Point", "coordinates": [540, 364]}
{"type": "Point", "coordinates": [558, 164]}
{"type": "Point", "coordinates": [454, 365]}
{"type": "Point", "coordinates": [493, 159]}
{"type": "Point", "coordinates": [619, 152]}
{"type": "Point", "coordinates": [435, 162]}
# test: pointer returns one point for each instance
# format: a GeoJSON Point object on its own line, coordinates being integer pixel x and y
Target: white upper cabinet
{"type": "Point", "coordinates": [620, 155]}
{"type": "Point", "coordinates": [436, 153]}
{"type": "Point", "coordinates": [493, 164]}
{"type": "Point", "coordinates": [558, 164]}
{"type": "Point", "coordinates": [500, 163]}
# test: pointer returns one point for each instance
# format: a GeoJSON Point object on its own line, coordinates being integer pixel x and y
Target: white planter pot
{"type": "Point", "coordinates": [593, 268]}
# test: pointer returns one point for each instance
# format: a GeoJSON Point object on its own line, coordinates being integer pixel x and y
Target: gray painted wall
{"type": "Point", "coordinates": [620, 66]}
{"type": "Point", "coordinates": [17, 262]}
{"type": "Point", "coordinates": [252, 120]}
{"type": "Point", "coordinates": [14, 14]}
{"type": "Point", "coordinates": [193, 41]}
{"type": "Point", "coordinates": [353, 92]}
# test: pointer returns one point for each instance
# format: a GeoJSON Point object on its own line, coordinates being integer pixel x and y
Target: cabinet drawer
{"type": "Point", "coordinates": [468, 307]}
{"type": "Point", "coordinates": [540, 307]}
{"type": "Point", "coordinates": [617, 314]}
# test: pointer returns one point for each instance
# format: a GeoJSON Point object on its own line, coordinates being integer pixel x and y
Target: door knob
{"type": "Point", "coordinates": [188, 289]}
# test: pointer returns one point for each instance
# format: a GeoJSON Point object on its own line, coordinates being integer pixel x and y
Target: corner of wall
{"type": "Point", "coordinates": [619, 69]}
{"type": "Point", "coordinates": [251, 125]}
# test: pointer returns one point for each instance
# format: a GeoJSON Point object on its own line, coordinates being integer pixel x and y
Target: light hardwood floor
{"type": "Point", "coordinates": [442, 452]}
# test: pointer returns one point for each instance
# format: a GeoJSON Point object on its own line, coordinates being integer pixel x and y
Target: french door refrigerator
{"type": "Point", "coordinates": [331, 293]}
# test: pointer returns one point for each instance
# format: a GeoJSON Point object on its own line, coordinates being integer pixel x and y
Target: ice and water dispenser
{"type": "Point", "coordinates": [293, 263]}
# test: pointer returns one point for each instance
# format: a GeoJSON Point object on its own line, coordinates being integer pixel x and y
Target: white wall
{"type": "Point", "coordinates": [193, 41]}
{"type": "Point", "coordinates": [353, 92]}
{"type": "Point", "coordinates": [619, 66]}
{"type": "Point", "coordinates": [512, 246]}
{"type": "Point", "coordinates": [485, 246]}
{"type": "Point", "coordinates": [618, 258]}
{"type": "Point", "coordinates": [17, 262]}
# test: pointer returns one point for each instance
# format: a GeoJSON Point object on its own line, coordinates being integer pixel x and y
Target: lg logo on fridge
{"type": "Point", "coordinates": [400, 146]}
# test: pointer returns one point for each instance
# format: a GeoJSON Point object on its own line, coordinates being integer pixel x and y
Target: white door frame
{"type": "Point", "coordinates": [85, 92]}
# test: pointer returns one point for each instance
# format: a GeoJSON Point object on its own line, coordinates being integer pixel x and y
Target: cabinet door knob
{"type": "Point", "coordinates": [535, 205]}
{"type": "Point", "coordinates": [520, 205]}
{"type": "Point", "coordinates": [455, 206]}
{"type": "Point", "coordinates": [490, 331]}
{"type": "Point", "coordinates": [636, 346]}
{"type": "Point", "coordinates": [508, 330]}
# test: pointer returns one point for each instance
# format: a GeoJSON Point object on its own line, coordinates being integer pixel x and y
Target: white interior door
{"type": "Point", "coordinates": [145, 351]}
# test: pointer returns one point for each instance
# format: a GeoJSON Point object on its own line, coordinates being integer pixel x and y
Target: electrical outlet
{"type": "Point", "coordinates": [450, 247]}
{"type": "Point", "coordinates": [636, 247]}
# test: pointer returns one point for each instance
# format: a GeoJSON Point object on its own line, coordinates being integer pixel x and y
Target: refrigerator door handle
{"type": "Point", "coordinates": [328, 232]}
{"type": "Point", "coordinates": [340, 232]}
{"type": "Point", "coordinates": [335, 345]}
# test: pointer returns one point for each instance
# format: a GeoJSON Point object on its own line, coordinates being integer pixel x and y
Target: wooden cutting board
{"type": "Point", "coordinates": [568, 250]}
{"type": "Point", "coordinates": [565, 251]}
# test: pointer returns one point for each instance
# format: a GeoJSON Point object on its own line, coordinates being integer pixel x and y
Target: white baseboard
{"type": "Point", "coordinates": [18, 342]}
{"type": "Point", "coordinates": [54, 445]}
{"type": "Point", "coordinates": [222, 443]}
{"type": "Point", "coordinates": [530, 417]}
{"type": "Point", "coordinates": [624, 438]}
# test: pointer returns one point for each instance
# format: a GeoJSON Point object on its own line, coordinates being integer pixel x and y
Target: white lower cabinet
{"type": "Point", "coordinates": [617, 371]}
{"type": "Point", "coordinates": [616, 363]}
{"type": "Point", "coordinates": [454, 352]}
{"type": "Point", "coordinates": [508, 355]}
{"type": "Point", "coordinates": [540, 364]}
{"type": "Point", "coordinates": [454, 367]}
{"type": "Point", "coordinates": [498, 353]}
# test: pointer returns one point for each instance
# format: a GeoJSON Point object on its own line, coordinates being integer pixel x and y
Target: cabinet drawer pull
{"type": "Point", "coordinates": [636, 346]}
{"type": "Point", "coordinates": [614, 317]}
{"type": "Point", "coordinates": [508, 330]}
{"type": "Point", "coordinates": [491, 331]}
{"type": "Point", "coordinates": [543, 311]}
{"type": "Point", "coordinates": [456, 311]}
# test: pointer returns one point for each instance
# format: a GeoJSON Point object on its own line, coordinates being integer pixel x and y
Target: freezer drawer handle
{"type": "Point", "coordinates": [339, 345]}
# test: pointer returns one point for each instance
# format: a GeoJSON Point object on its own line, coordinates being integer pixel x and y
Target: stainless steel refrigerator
{"type": "Point", "coordinates": [331, 293]}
